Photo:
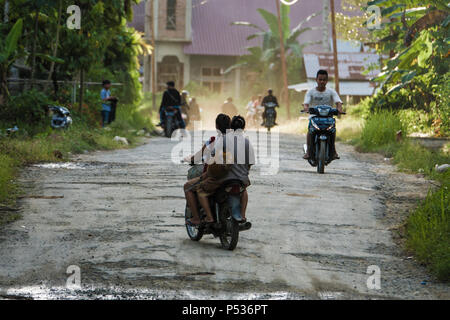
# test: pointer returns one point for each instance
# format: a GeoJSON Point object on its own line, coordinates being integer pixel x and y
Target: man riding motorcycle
{"type": "Point", "coordinates": [321, 95]}
{"type": "Point", "coordinates": [171, 99]}
{"type": "Point", "coordinates": [269, 98]}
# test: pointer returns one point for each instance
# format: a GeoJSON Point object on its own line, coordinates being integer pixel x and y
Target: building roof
{"type": "Point", "coordinates": [351, 65]}
{"type": "Point", "coordinates": [213, 34]}
{"type": "Point", "coordinates": [138, 17]}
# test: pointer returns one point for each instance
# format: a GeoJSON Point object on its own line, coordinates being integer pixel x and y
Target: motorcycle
{"type": "Point", "coordinates": [225, 205]}
{"type": "Point", "coordinates": [254, 115]}
{"type": "Point", "coordinates": [171, 122]}
{"type": "Point", "coordinates": [61, 118]}
{"type": "Point", "coordinates": [321, 125]}
{"type": "Point", "coordinates": [270, 115]}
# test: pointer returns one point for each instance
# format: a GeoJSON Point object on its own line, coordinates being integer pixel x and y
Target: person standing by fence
{"type": "Point", "coordinates": [106, 97]}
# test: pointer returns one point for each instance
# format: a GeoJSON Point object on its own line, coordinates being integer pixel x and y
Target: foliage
{"type": "Point", "coordinates": [7, 56]}
{"type": "Point", "coordinates": [428, 231]}
{"type": "Point", "coordinates": [416, 74]}
{"type": "Point", "coordinates": [29, 108]}
{"type": "Point", "coordinates": [379, 130]}
{"type": "Point", "coordinates": [104, 47]}
{"type": "Point", "coordinates": [350, 20]}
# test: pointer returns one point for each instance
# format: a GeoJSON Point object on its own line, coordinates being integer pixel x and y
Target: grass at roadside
{"type": "Point", "coordinates": [428, 230]}
{"type": "Point", "coordinates": [428, 226]}
{"type": "Point", "coordinates": [57, 145]}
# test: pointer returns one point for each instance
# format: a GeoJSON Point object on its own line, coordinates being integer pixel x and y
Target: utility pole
{"type": "Point", "coordinates": [283, 61]}
{"type": "Point", "coordinates": [335, 56]}
{"type": "Point", "coordinates": [153, 58]}
{"type": "Point", "coordinates": [6, 12]}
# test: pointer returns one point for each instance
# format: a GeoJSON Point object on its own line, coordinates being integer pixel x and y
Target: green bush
{"type": "Point", "coordinates": [7, 170]}
{"type": "Point", "coordinates": [416, 121]}
{"type": "Point", "coordinates": [29, 107]}
{"type": "Point", "coordinates": [428, 231]}
{"type": "Point", "coordinates": [380, 130]}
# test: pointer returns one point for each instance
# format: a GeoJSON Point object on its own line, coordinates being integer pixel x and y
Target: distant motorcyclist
{"type": "Point", "coordinates": [269, 98]}
{"type": "Point", "coordinates": [171, 99]}
{"type": "Point", "coordinates": [321, 95]}
{"type": "Point", "coordinates": [229, 108]}
{"type": "Point", "coordinates": [194, 109]}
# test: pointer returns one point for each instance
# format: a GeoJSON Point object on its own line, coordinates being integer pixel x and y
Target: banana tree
{"type": "Point", "coordinates": [7, 57]}
{"type": "Point", "coordinates": [266, 56]}
{"type": "Point", "coordinates": [408, 35]}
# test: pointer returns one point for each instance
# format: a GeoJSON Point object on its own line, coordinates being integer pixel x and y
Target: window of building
{"type": "Point", "coordinates": [211, 72]}
{"type": "Point", "coordinates": [212, 79]}
{"type": "Point", "coordinates": [171, 23]}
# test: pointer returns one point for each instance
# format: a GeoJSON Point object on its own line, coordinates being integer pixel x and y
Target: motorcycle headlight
{"type": "Point", "coordinates": [324, 111]}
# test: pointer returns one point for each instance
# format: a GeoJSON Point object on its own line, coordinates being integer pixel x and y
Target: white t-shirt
{"type": "Point", "coordinates": [236, 147]}
{"type": "Point", "coordinates": [327, 97]}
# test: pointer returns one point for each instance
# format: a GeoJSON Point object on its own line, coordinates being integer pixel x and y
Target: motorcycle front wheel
{"type": "Point", "coordinates": [322, 151]}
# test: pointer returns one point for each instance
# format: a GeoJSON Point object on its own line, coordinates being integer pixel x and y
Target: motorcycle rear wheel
{"type": "Point", "coordinates": [194, 233]}
{"type": "Point", "coordinates": [168, 129]}
{"type": "Point", "coordinates": [230, 237]}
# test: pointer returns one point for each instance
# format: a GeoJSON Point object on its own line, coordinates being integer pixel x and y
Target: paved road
{"type": "Point", "coordinates": [119, 216]}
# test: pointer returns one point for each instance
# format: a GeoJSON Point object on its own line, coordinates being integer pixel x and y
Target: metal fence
{"type": "Point", "coordinates": [18, 85]}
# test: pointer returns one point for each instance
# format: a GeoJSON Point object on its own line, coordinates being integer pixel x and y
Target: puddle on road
{"type": "Point", "coordinates": [77, 165]}
{"type": "Point", "coordinates": [57, 293]}
{"type": "Point", "coordinates": [62, 165]}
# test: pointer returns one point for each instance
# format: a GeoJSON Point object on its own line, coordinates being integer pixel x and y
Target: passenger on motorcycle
{"type": "Point", "coordinates": [269, 98]}
{"type": "Point", "coordinates": [171, 98]}
{"type": "Point", "coordinates": [243, 160]}
{"type": "Point", "coordinates": [321, 95]}
{"type": "Point", "coordinates": [207, 183]}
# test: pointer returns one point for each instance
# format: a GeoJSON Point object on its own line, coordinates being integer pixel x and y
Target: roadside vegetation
{"type": "Point", "coordinates": [428, 226]}
{"type": "Point", "coordinates": [38, 46]}
{"type": "Point", "coordinates": [413, 99]}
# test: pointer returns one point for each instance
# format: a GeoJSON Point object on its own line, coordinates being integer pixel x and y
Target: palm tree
{"type": "Point", "coordinates": [7, 57]}
{"type": "Point", "coordinates": [266, 56]}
